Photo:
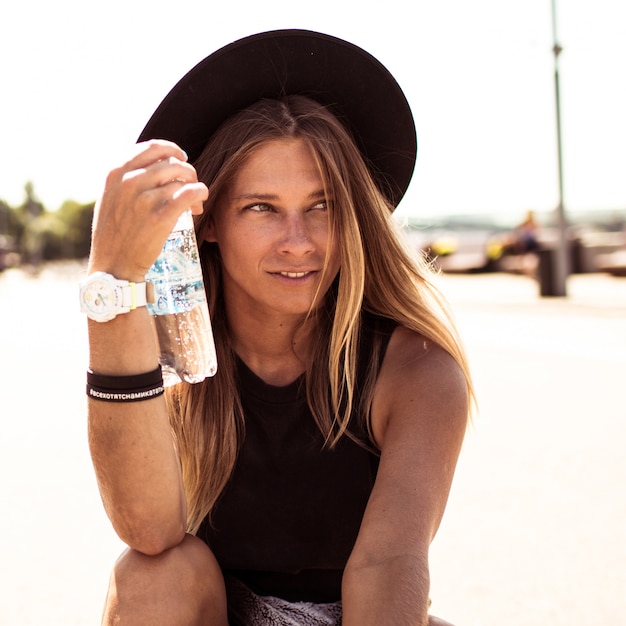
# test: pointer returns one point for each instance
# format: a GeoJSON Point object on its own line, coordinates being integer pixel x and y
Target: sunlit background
{"type": "Point", "coordinates": [534, 530]}
{"type": "Point", "coordinates": [79, 81]}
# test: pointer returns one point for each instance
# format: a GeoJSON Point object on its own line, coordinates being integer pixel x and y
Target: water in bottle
{"type": "Point", "coordinates": [179, 308]}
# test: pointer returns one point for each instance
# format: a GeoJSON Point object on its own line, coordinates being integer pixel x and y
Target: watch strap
{"type": "Point", "coordinates": [134, 295]}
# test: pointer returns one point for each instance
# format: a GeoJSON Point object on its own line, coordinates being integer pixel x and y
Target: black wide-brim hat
{"type": "Point", "coordinates": [351, 82]}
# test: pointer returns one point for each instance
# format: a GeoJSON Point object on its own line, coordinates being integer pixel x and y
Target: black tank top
{"type": "Point", "coordinates": [288, 518]}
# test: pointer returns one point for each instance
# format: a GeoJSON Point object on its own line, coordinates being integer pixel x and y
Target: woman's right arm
{"type": "Point", "coordinates": [134, 456]}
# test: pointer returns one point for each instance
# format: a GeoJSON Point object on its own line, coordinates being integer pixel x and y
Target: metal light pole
{"type": "Point", "coordinates": [562, 262]}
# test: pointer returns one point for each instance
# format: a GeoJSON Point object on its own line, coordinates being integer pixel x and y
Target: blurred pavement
{"type": "Point", "coordinates": [535, 530]}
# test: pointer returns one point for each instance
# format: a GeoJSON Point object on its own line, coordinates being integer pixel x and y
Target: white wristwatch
{"type": "Point", "coordinates": [103, 297]}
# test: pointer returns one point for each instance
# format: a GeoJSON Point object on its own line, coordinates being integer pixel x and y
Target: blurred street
{"type": "Point", "coordinates": [534, 533]}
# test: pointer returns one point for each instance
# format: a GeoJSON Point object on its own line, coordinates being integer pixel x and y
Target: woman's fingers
{"type": "Point", "coordinates": [162, 166]}
{"type": "Point", "coordinates": [192, 196]}
{"type": "Point", "coordinates": [162, 172]}
{"type": "Point", "coordinates": [165, 202]}
{"type": "Point", "coordinates": [149, 152]}
{"type": "Point", "coordinates": [140, 204]}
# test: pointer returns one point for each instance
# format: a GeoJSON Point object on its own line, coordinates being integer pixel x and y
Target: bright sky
{"type": "Point", "coordinates": [79, 80]}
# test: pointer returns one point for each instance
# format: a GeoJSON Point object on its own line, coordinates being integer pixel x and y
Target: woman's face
{"type": "Point", "coordinates": [272, 229]}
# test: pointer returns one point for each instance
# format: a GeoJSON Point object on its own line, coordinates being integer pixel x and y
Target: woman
{"type": "Point", "coordinates": [304, 483]}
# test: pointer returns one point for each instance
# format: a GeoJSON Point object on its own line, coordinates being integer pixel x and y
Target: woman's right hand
{"type": "Point", "coordinates": [139, 206]}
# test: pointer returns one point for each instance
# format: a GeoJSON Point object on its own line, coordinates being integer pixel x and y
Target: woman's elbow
{"type": "Point", "coordinates": [152, 537]}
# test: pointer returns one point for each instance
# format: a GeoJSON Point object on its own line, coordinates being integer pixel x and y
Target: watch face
{"type": "Point", "coordinates": [99, 297]}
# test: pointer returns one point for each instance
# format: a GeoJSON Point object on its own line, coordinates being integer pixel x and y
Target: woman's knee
{"type": "Point", "coordinates": [182, 585]}
{"type": "Point", "coordinates": [436, 621]}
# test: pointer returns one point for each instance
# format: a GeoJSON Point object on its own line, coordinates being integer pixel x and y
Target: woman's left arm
{"type": "Point", "coordinates": [419, 418]}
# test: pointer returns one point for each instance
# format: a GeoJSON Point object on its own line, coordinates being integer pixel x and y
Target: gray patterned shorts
{"type": "Point", "coordinates": [246, 608]}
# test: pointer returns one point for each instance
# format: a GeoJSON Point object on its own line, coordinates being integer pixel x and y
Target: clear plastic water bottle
{"type": "Point", "coordinates": [180, 311]}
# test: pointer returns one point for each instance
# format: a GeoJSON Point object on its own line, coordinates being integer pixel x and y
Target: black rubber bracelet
{"type": "Point", "coordinates": [128, 395]}
{"type": "Point", "coordinates": [105, 382]}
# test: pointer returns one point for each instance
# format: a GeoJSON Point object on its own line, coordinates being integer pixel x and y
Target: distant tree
{"type": "Point", "coordinates": [10, 224]}
{"type": "Point", "coordinates": [43, 239]}
{"type": "Point", "coordinates": [31, 208]}
{"type": "Point", "coordinates": [11, 220]}
{"type": "Point", "coordinates": [9, 233]}
{"type": "Point", "coordinates": [41, 235]}
{"type": "Point", "coordinates": [5, 212]}
{"type": "Point", "coordinates": [76, 219]}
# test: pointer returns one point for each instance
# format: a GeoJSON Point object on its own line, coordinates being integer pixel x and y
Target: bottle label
{"type": "Point", "coordinates": [177, 275]}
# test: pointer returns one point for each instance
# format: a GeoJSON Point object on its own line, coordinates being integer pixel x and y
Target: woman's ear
{"type": "Point", "coordinates": [207, 231]}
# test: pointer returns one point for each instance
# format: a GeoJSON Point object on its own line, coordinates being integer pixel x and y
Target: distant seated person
{"type": "Point", "coordinates": [526, 235]}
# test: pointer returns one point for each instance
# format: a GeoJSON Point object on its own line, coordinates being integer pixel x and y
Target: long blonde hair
{"type": "Point", "coordinates": [377, 275]}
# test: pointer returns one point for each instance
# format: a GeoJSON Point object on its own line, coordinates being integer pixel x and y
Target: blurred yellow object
{"type": "Point", "coordinates": [444, 246]}
{"type": "Point", "coordinates": [495, 249]}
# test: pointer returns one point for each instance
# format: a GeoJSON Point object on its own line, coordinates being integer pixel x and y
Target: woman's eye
{"type": "Point", "coordinates": [320, 206]}
{"type": "Point", "coordinates": [259, 207]}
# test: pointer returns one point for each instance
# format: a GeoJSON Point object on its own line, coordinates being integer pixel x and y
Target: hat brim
{"type": "Point", "coordinates": [335, 73]}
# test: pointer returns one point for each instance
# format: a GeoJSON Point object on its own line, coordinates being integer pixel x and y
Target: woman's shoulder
{"type": "Point", "coordinates": [419, 381]}
{"type": "Point", "coordinates": [412, 353]}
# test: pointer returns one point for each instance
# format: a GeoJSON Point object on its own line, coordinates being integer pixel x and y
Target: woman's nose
{"type": "Point", "coordinates": [296, 236]}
